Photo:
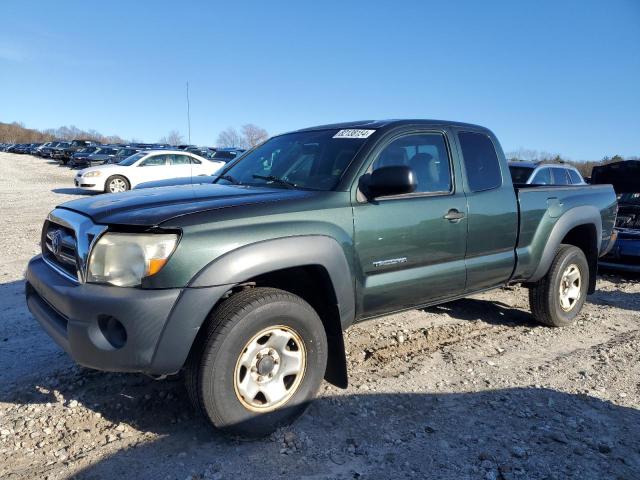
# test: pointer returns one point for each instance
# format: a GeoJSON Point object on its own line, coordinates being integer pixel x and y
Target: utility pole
{"type": "Point", "coordinates": [188, 114]}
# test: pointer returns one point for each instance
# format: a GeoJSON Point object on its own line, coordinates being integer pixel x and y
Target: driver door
{"type": "Point", "coordinates": [411, 247]}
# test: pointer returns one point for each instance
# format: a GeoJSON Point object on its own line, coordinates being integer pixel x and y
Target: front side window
{"type": "Point", "coordinates": [426, 155]}
{"type": "Point", "coordinates": [311, 160]}
{"type": "Point", "coordinates": [480, 161]}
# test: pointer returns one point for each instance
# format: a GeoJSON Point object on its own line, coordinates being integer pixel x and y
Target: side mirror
{"type": "Point", "coordinates": [395, 180]}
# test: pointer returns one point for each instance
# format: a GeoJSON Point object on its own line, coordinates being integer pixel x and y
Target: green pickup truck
{"type": "Point", "coordinates": [247, 281]}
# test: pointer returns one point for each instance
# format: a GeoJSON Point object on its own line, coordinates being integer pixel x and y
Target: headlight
{"type": "Point", "coordinates": [95, 173]}
{"type": "Point", "coordinates": [124, 259]}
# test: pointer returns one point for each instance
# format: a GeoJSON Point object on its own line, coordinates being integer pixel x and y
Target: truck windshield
{"type": "Point", "coordinates": [520, 174]}
{"type": "Point", "coordinates": [312, 160]}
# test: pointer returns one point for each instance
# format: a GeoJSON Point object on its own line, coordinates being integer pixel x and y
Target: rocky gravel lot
{"type": "Point", "coordinates": [468, 390]}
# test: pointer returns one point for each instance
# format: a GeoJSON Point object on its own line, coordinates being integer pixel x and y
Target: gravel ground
{"type": "Point", "coordinates": [472, 389]}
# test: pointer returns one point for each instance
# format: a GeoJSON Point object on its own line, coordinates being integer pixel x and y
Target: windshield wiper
{"type": "Point", "coordinates": [275, 179]}
{"type": "Point", "coordinates": [229, 178]}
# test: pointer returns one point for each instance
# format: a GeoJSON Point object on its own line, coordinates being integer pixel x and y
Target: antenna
{"type": "Point", "coordinates": [188, 114]}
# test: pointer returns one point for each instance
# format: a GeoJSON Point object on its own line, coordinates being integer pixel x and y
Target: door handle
{"type": "Point", "coordinates": [454, 215]}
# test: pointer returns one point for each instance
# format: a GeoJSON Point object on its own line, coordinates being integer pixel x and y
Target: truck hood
{"type": "Point", "coordinates": [153, 206]}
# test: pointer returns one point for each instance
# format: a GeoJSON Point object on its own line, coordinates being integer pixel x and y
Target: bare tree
{"type": "Point", "coordinates": [253, 135]}
{"type": "Point", "coordinates": [172, 138]}
{"type": "Point", "coordinates": [17, 133]}
{"type": "Point", "coordinates": [230, 138]}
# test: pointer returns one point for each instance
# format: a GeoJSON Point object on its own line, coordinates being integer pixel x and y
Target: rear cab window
{"type": "Point", "coordinates": [480, 161]}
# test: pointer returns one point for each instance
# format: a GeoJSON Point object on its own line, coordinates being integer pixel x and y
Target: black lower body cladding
{"type": "Point", "coordinates": [118, 329]}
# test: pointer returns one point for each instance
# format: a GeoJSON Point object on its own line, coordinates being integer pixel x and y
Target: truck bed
{"type": "Point", "coordinates": [540, 209]}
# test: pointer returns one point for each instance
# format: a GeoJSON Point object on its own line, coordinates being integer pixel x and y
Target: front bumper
{"type": "Point", "coordinates": [160, 325]}
{"type": "Point", "coordinates": [94, 184]}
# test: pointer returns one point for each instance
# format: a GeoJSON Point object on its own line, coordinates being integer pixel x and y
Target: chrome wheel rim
{"type": "Point", "coordinates": [569, 290]}
{"type": "Point", "coordinates": [270, 368]}
{"type": "Point", "coordinates": [117, 185]}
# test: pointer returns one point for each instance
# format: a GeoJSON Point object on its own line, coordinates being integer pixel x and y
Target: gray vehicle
{"type": "Point", "coordinates": [534, 173]}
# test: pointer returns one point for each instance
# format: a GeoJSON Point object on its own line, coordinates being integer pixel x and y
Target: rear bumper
{"type": "Point", "coordinates": [159, 325]}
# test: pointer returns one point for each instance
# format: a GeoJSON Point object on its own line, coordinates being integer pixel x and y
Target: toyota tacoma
{"type": "Point", "coordinates": [247, 281]}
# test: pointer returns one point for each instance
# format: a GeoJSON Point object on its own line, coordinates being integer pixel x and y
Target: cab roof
{"type": "Point", "coordinates": [390, 123]}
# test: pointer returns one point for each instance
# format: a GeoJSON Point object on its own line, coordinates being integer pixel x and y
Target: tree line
{"type": "Point", "coordinates": [16, 132]}
{"type": "Point", "coordinates": [248, 136]}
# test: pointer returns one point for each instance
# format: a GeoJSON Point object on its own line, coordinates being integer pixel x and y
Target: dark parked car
{"type": "Point", "coordinates": [75, 145]}
{"type": "Point", "coordinates": [625, 178]}
{"type": "Point", "coordinates": [103, 155]}
{"type": "Point", "coordinates": [248, 283]}
{"type": "Point", "coordinates": [46, 150]}
{"type": "Point", "coordinates": [226, 154]}
{"type": "Point", "coordinates": [122, 154]}
{"type": "Point", "coordinates": [58, 152]}
{"type": "Point", "coordinates": [79, 158]}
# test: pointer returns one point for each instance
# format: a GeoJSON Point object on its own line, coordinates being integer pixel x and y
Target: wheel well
{"type": "Point", "coordinates": [585, 238]}
{"type": "Point", "coordinates": [313, 284]}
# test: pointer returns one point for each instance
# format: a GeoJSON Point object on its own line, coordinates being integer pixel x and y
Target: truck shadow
{"type": "Point", "coordinates": [492, 312]}
{"type": "Point", "coordinates": [508, 433]}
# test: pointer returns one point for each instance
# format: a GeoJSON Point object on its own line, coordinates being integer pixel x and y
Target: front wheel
{"type": "Point", "coordinates": [557, 298]}
{"type": "Point", "coordinates": [259, 362]}
{"type": "Point", "coordinates": [116, 184]}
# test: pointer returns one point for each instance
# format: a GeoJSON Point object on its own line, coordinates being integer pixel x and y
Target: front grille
{"type": "Point", "coordinates": [59, 246]}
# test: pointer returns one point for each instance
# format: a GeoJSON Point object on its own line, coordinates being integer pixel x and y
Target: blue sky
{"type": "Point", "coordinates": [558, 76]}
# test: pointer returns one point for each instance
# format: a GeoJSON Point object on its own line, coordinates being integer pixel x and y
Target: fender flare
{"type": "Point", "coordinates": [267, 256]}
{"type": "Point", "coordinates": [575, 217]}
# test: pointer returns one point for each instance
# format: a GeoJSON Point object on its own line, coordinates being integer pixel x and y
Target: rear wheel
{"type": "Point", "coordinates": [116, 184]}
{"type": "Point", "coordinates": [557, 298]}
{"type": "Point", "coordinates": [259, 362]}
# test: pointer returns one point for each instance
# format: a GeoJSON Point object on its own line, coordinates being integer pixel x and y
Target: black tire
{"type": "Point", "coordinates": [544, 295]}
{"type": "Point", "coordinates": [107, 184]}
{"type": "Point", "coordinates": [212, 365]}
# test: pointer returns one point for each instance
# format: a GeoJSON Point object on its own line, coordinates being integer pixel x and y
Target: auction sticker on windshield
{"type": "Point", "coordinates": [353, 133]}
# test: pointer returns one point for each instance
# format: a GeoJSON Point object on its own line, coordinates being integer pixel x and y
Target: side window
{"type": "Point", "coordinates": [155, 161]}
{"type": "Point", "coordinates": [480, 161]}
{"type": "Point", "coordinates": [177, 160]}
{"type": "Point", "coordinates": [195, 161]}
{"type": "Point", "coordinates": [543, 177]}
{"type": "Point", "coordinates": [575, 177]}
{"type": "Point", "coordinates": [560, 176]}
{"type": "Point", "coordinates": [427, 156]}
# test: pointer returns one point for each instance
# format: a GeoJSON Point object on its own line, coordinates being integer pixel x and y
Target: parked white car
{"type": "Point", "coordinates": [147, 166]}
